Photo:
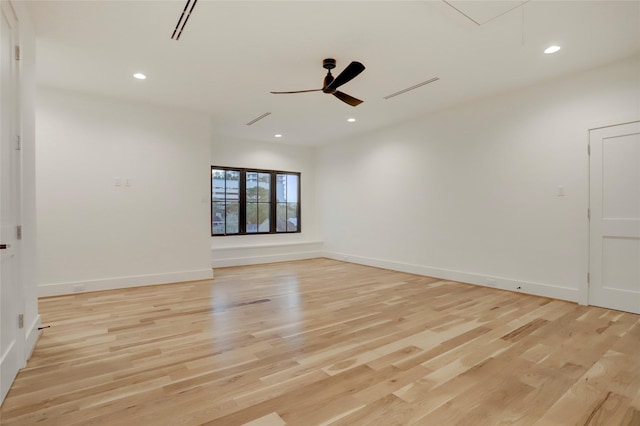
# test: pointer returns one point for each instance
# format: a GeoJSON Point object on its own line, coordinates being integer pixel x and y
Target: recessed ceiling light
{"type": "Point", "coordinates": [551, 49]}
{"type": "Point", "coordinates": [278, 135]}
{"type": "Point", "coordinates": [139, 76]}
{"type": "Point", "coordinates": [351, 120]}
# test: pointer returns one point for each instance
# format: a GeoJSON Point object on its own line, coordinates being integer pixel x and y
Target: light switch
{"type": "Point", "coordinates": [560, 192]}
{"type": "Point", "coordinates": [117, 181]}
{"type": "Point", "coordinates": [127, 182]}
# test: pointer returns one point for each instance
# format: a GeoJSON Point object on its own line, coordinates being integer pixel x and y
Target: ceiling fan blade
{"type": "Point", "coordinates": [297, 91]}
{"type": "Point", "coordinates": [348, 99]}
{"type": "Point", "coordinates": [348, 74]}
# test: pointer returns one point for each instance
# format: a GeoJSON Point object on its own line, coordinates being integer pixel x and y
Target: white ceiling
{"type": "Point", "coordinates": [233, 53]}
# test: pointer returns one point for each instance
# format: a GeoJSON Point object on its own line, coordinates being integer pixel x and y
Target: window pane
{"type": "Point", "coordinates": [232, 218]}
{"type": "Point", "coordinates": [232, 186]}
{"type": "Point", "coordinates": [252, 187]}
{"type": "Point", "coordinates": [217, 185]}
{"type": "Point", "coordinates": [264, 211]}
{"type": "Point", "coordinates": [281, 217]}
{"type": "Point", "coordinates": [218, 218]}
{"type": "Point", "coordinates": [292, 188]}
{"type": "Point", "coordinates": [252, 217]}
{"type": "Point", "coordinates": [292, 217]}
{"type": "Point", "coordinates": [264, 187]}
{"type": "Point", "coordinates": [281, 188]}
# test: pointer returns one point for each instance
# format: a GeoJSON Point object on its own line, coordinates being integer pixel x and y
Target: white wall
{"type": "Point", "coordinates": [470, 193]}
{"type": "Point", "coordinates": [250, 249]}
{"type": "Point", "coordinates": [93, 235]}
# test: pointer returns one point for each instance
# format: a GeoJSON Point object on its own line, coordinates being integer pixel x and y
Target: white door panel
{"type": "Point", "coordinates": [620, 174]}
{"type": "Point", "coordinates": [614, 230]}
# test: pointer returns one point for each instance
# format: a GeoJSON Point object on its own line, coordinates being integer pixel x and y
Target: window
{"type": "Point", "coordinates": [251, 201]}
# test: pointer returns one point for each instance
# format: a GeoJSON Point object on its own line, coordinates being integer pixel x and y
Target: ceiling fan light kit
{"type": "Point", "coordinates": [331, 84]}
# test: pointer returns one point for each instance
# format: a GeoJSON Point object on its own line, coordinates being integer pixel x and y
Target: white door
{"type": "Point", "coordinates": [11, 297]}
{"type": "Point", "coordinates": [614, 247]}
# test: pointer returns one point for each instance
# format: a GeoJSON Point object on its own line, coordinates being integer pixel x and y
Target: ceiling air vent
{"type": "Point", "coordinates": [184, 17]}
{"type": "Point", "coordinates": [415, 86]}
{"type": "Point", "coordinates": [258, 118]}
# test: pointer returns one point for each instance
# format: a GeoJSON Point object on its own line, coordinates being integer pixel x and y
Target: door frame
{"type": "Point", "coordinates": [17, 352]}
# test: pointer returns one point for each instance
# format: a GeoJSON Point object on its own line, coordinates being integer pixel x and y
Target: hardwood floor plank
{"type": "Point", "coordinates": [271, 419]}
{"type": "Point", "coordinates": [320, 342]}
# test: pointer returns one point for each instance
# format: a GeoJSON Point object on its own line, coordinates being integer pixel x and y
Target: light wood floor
{"type": "Point", "coordinates": [324, 342]}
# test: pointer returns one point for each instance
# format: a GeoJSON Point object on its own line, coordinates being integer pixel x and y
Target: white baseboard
{"type": "Point", "coordinates": [57, 289]}
{"type": "Point", "coordinates": [8, 360]}
{"type": "Point", "coordinates": [12, 357]}
{"type": "Point", "coordinates": [31, 337]}
{"type": "Point", "coordinates": [257, 254]}
{"type": "Point", "coordinates": [538, 289]}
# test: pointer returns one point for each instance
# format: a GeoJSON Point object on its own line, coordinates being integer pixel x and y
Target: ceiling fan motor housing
{"type": "Point", "coordinates": [329, 63]}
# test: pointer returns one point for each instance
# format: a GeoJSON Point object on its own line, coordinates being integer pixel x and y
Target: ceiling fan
{"type": "Point", "coordinates": [331, 84]}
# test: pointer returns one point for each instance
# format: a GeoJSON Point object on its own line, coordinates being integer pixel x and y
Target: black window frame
{"type": "Point", "coordinates": [242, 214]}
